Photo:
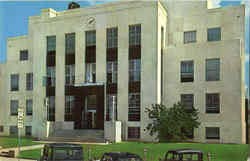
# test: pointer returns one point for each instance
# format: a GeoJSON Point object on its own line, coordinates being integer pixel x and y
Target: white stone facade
{"type": "Point", "coordinates": [153, 16]}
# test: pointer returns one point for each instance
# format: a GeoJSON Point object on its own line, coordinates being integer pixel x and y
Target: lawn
{"type": "Point", "coordinates": [9, 142]}
{"type": "Point", "coordinates": [221, 152]}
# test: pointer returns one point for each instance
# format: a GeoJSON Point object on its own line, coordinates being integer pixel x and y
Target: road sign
{"type": "Point", "coordinates": [20, 118]}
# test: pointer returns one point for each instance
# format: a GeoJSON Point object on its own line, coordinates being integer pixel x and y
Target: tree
{"type": "Point", "coordinates": [171, 124]}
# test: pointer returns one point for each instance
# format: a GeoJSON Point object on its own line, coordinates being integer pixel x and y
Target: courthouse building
{"type": "Point", "coordinates": [74, 66]}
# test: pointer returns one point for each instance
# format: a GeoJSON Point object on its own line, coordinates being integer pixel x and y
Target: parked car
{"type": "Point", "coordinates": [183, 155]}
{"type": "Point", "coordinates": [120, 156]}
{"type": "Point", "coordinates": [62, 152]}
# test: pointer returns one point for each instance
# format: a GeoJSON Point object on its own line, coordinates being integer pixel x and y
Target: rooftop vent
{"type": "Point", "coordinates": [73, 5]}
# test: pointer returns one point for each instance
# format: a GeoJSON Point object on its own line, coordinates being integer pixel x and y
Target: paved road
{"type": "Point", "coordinates": [14, 159]}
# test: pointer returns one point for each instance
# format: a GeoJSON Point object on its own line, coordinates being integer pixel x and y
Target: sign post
{"type": "Point", "coordinates": [20, 118]}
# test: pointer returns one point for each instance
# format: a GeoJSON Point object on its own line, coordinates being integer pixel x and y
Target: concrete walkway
{"type": "Point", "coordinates": [22, 148]}
{"type": "Point", "coordinates": [14, 159]}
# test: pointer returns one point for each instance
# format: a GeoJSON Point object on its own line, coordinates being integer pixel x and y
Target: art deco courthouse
{"type": "Point", "coordinates": [130, 55]}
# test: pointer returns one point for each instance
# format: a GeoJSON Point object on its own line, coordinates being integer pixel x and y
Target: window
{"type": "Point", "coordinates": [212, 133]}
{"type": "Point", "coordinates": [133, 132]}
{"type": "Point", "coordinates": [1, 128]}
{"type": "Point", "coordinates": [112, 40]}
{"type": "Point", "coordinates": [90, 38]}
{"type": "Point", "coordinates": [189, 37]}
{"type": "Point", "coordinates": [13, 107]}
{"type": "Point", "coordinates": [112, 72]}
{"type": "Point", "coordinates": [69, 106]}
{"type": "Point", "coordinates": [70, 74]}
{"type": "Point", "coordinates": [187, 71]}
{"type": "Point", "coordinates": [134, 70]}
{"type": "Point", "coordinates": [212, 103]}
{"type": "Point", "coordinates": [51, 43]}
{"type": "Point", "coordinates": [213, 69]}
{"type": "Point", "coordinates": [13, 131]}
{"type": "Point", "coordinates": [51, 76]}
{"type": "Point", "coordinates": [29, 107]}
{"type": "Point", "coordinates": [24, 55]}
{"type": "Point", "coordinates": [213, 34]}
{"type": "Point", "coordinates": [28, 130]}
{"type": "Point", "coordinates": [134, 111]}
{"type": "Point", "coordinates": [134, 35]}
{"type": "Point", "coordinates": [90, 76]}
{"type": "Point", "coordinates": [29, 81]}
{"type": "Point", "coordinates": [111, 103]}
{"type": "Point", "coordinates": [91, 102]}
{"type": "Point", "coordinates": [188, 101]}
{"type": "Point", "coordinates": [70, 43]}
{"type": "Point", "coordinates": [51, 109]}
{"type": "Point", "coordinates": [14, 82]}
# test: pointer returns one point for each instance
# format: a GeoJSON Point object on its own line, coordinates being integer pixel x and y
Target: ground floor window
{"type": "Point", "coordinates": [13, 131]}
{"type": "Point", "coordinates": [28, 130]}
{"type": "Point", "coordinates": [133, 132]}
{"type": "Point", "coordinates": [212, 133]}
{"type": "Point", "coordinates": [1, 129]}
{"type": "Point", "coordinates": [69, 106]}
{"type": "Point", "coordinates": [134, 111]}
{"type": "Point", "coordinates": [51, 109]}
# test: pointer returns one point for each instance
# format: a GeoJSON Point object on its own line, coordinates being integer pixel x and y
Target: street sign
{"type": "Point", "coordinates": [20, 118]}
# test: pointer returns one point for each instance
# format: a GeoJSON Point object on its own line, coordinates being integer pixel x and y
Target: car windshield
{"type": "Point", "coordinates": [68, 154]}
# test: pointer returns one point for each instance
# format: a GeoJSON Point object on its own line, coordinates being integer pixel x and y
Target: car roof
{"type": "Point", "coordinates": [63, 145]}
{"type": "Point", "coordinates": [120, 154]}
{"type": "Point", "coordinates": [183, 151]}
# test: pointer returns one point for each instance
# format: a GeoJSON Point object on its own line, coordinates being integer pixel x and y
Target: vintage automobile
{"type": "Point", "coordinates": [183, 155]}
{"type": "Point", "coordinates": [120, 156]}
{"type": "Point", "coordinates": [62, 152]}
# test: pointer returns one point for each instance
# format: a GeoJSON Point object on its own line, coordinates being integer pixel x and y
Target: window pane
{"type": "Point", "coordinates": [51, 43]}
{"type": "Point", "coordinates": [187, 71]}
{"type": "Point", "coordinates": [14, 82]}
{"type": "Point", "coordinates": [214, 34]}
{"type": "Point", "coordinates": [189, 37]}
{"type": "Point", "coordinates": [90, 38]}
{"type": "Point", "coordinates": [29, 81]}
{"type": "Point", "coordinates": [29, 104]}
{"type": "Point", "coordinates": [13, 107]}
{"type": "Point", "coordinates": [24, 55]}
{"type": "Point", "coordinates": [188, 101]}
{"type": "Point", "coordinates": [70, 43]}
{"type": "Point", "coordinates": [213, 69]}
{"type": "Point", "coordinates": [213, 103]}
{"type": "Point", "coordinates": [112, 38]}
{"type": "Point", "coordinates": [134, 35]}
{"type": "Point", "coordinates": [212, 133]}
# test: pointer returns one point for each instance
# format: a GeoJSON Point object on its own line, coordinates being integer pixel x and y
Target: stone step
{"type": "Point", "coordinates": [78, 133]}
{"type": "Point", "coordinates": [77, 139]}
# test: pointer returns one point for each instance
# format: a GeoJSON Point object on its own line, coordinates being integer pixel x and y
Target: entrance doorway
{"type": "Point", "coordinates": [89, 113]}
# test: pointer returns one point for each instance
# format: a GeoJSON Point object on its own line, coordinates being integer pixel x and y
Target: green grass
{"type": "Point", "coordinates": [221, 152]}
{"type": "Point", "coordinates": [10, 142]}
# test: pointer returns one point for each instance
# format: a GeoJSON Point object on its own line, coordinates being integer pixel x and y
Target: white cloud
{"type": "Point", "coordinates": [213, 4]}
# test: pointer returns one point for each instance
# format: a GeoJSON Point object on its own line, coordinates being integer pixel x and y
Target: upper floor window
{"type": "Point", "coordinates": [112, 71]}
{"type": "Point", "coordinates": [112, 40]}
{"type": "Point", "coordinates": [14, 82]}
{"type": "Point", "coordinates": [213, 69]}
{"type": "Point", "coordinates": [13, 107]}
{"type": "Point", "coordinates": [134, 70]}
{"type": "Point", "coordinates": [90, 38]}
{"type": "Point", "coordinates": [29, 81]}
{"type": "Point", "coordinates": [189, 37]}
{"type": "Point", "coordinates": [29, 107]}
{"type": "Point", "coordinates": [70, 74]}
{"type": "Point", "coordinates": [134, 111]}
{"type": "Point", "coordinates": [24, 55]}
{"type": "Point", "coordinates": [69, 105]}
{"type": "Point", "coordinates": [212, 103]}
{"type": "Point", "coordinates": [51, 76]}
{"type": "Point", "coordinates": [51, 43]}
{"type": "Point", "coordinates": [212, 133]}
{"type": "Point", "coordinates": [187, 71]}
{"type": "Point", "coordinates": [134, 35]}
{"type": "Point", "coordinates": [188, 101]}
{"type": "Point", "coordinates": [90, 75]}
{"type": "Point", "coordinates": [214, 34]}
{"type": "Point", "coordinates": [70, 43]}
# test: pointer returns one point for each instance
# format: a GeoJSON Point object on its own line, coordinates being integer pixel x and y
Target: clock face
{"type": "Point", "coordinates": [90, 21]}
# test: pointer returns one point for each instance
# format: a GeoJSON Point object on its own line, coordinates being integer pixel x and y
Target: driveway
{"type": "Point", "coordinates": [14, 159]}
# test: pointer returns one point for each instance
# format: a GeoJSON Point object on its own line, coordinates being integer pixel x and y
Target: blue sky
{"type": "Point", "coordinates": [14, 19]}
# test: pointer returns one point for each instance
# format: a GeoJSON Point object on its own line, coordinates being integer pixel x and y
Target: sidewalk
{"type": "Point", "coordinates": [22, 148]}
{"type": "Point", "coordinates": [14, 159]}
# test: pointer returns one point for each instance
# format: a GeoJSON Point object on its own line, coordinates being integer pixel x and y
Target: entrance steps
{"type": "Point", "coordinates": [92, 136]}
